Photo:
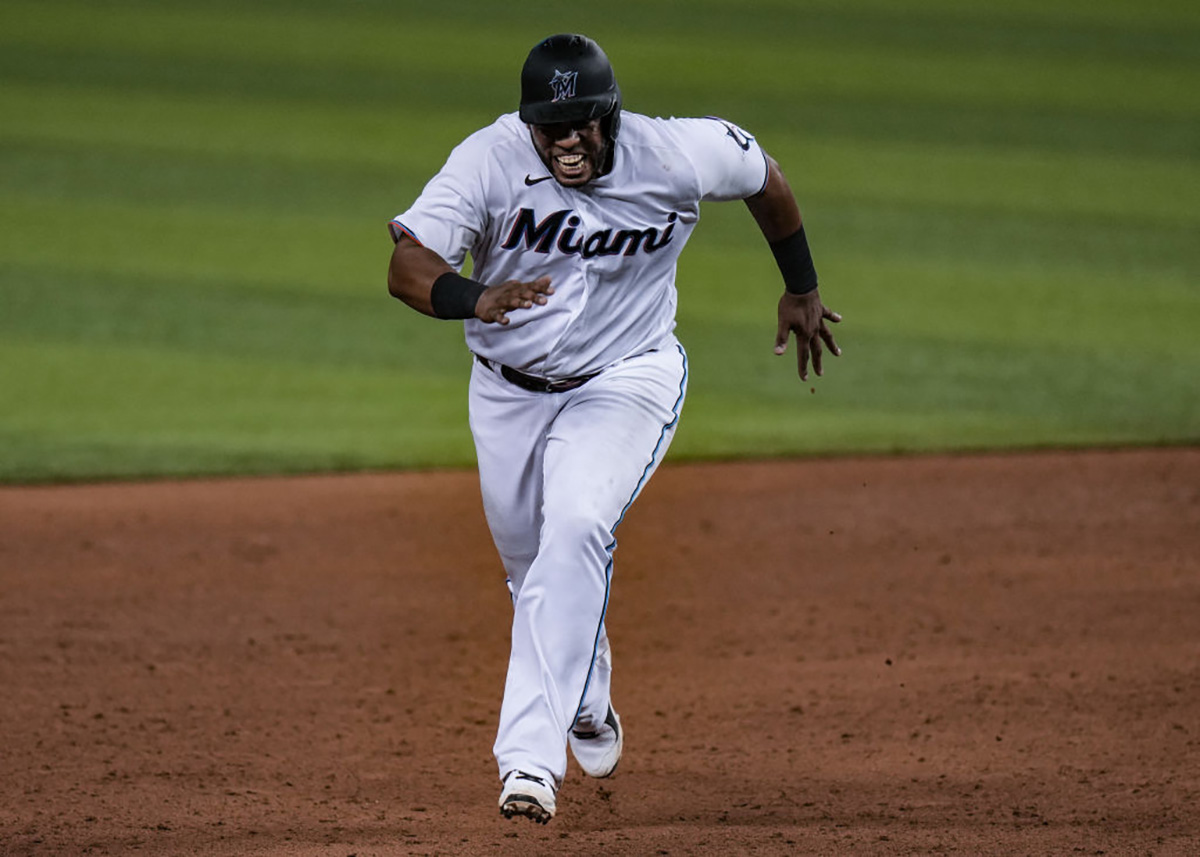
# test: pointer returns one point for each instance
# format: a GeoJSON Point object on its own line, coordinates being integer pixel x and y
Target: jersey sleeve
{"type": "Point", "coordinates": [728, 161]}
{"type": "Point", "coordinates": [449, 215]}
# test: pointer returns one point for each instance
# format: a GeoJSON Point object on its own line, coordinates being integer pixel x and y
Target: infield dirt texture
{"type": "Point", "coordinates": [967, 655]}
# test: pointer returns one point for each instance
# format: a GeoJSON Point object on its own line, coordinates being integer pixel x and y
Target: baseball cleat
{"type": "Point", "coordinates": [598, 751]}
{"type": "Point", "coordinates": [527, 795]}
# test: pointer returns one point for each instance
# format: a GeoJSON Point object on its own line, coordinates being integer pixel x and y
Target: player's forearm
{"type": "Point", "coordinates": [424, 281]}
{"type": "Point", "coordinates": [778, 216]}
{"type": "Point", "coordinates": [412, 273]}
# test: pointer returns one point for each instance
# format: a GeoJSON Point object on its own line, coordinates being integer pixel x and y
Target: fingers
{"type": "Point", "coordinates": [528, 294]}
{"type": "Point", "coordinates": [515, 294]}
{"type": "Point", "coordinates": [810, 350]}
{"type": "Point", "coordinates": [781, 336]}
{"type": "Point", "coordinates": [827, 335]}
{"type": "Point", "coordinates": [525, 295]}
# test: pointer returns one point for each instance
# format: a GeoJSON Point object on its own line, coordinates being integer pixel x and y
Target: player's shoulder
{"type": "Point", "coordinates": [507, 130]}
{"type": "Point", "coordinates": [638, 128]}
{"type": "Point", "coordinates": [481, 160]}
{"type": "Point", "coordinates": [685, 133]}
{"type": "Point", "coordinates": [690, 127]}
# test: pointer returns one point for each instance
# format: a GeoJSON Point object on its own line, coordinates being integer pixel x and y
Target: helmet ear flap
{"type": "Point", "coordinates": [610, 123]}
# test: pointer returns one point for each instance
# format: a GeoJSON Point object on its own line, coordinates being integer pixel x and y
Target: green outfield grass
{"type": "Point", "coordinates": [1002, 200]}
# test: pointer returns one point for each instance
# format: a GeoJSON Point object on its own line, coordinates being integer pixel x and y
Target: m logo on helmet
{"type": "Point", "coordinates": [563, 84]}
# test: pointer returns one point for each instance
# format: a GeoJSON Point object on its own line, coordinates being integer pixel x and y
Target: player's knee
{"type": "Point", "coordinates": [579, 525]}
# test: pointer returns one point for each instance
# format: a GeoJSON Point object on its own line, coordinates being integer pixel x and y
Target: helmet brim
{"type": "Point", "coordinates": [574, 110]}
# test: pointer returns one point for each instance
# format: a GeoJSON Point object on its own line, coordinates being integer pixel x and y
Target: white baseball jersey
{"type": "Point", "coordinates": [609, 247]}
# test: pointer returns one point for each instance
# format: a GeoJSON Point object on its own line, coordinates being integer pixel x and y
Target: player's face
{"type": "Point", "coordinates": [574, 152]}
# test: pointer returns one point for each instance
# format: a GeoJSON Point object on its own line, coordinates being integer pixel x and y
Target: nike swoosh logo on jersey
{"type": "Point", "coordinates": [743, 140]}
{"type": "Point", "coordinates": [735, 133]}
{"type": "Point", "coordinates": [530, 181]}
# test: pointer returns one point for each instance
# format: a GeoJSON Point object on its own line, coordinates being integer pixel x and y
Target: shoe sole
{"type": "Point", "coordinates": [527, 806]}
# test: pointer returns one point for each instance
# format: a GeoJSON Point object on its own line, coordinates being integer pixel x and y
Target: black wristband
{"type": "Point", "coordinates": [795, 263]}
{"type": "Point", "coordinates": [453, 296]}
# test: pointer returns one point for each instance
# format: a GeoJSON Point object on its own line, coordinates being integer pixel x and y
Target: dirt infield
{"type": "Point", "coordinates": [994, 654]}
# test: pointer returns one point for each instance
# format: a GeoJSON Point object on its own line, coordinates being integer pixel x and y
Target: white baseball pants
{"type": "Point", "coordinates": [558, 471]}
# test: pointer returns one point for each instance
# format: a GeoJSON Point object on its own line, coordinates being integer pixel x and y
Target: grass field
{"type": "Point", "coordinates": [1002, 201]}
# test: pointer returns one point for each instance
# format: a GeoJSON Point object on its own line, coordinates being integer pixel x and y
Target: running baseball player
{"type": "Point", "coordinates": [574, 213]}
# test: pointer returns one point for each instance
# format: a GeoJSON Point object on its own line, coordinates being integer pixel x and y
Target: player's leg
{"type": "Point", "coordinates": [602, 448]}
{"type": "Point", "coordinates": [597, 739]}
{"type": "Point", "coordinates": [509, 427]}
{"type": "Point", "coordinates": [598, 693]}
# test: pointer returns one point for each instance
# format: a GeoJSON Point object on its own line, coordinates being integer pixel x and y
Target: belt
{"type": "Point", "coordinates": [532, 383]}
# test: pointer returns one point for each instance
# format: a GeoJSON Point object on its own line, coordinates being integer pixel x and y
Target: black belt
{"type": "Point", "coordinates": [534, 384]}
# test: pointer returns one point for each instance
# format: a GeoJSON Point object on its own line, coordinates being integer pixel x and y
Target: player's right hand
{"type": "Point", "coordinates": [495, 303]}
{"type": "Point", "coordinates": [805, 316]}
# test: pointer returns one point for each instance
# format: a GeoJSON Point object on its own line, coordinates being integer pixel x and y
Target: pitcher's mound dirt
{"type": "Point", "coordinates": [995, 654]}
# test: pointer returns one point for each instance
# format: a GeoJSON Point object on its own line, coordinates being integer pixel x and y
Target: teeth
{"type": "Point", "coordinates": [570, 160]}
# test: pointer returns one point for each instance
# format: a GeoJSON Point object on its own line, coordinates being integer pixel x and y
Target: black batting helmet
{"type": "Point", "coordinates": [567, 78]}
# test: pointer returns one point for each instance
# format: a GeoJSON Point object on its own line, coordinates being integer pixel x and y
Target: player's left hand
{"type": "Point", "coordinates": [806, 316]}
{"type": "Point", "coordinates": [498, 301]}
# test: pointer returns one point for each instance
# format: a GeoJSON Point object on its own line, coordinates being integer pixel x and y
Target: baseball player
{"type": "Point", "coordinates": [574, 213]}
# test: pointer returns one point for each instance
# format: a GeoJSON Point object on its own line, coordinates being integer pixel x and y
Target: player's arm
{"type": "Point", "coordinates": [800, 308]}
{"type": "Point", "coordinates": [426, 282]}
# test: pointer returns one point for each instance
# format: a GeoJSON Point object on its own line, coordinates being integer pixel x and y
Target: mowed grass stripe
{"type": "Point", "coordinates": [1005, 241]}
{"type": "Point", "coordinates": [188, 315]}
{"type": "Point", "coordinates": [339, 134]}
{"type": "Point", "coordinates": [811, 430]}
{"type": "Point", "coordinates": [1057, 133]}
{"type": "Point", "coordinates": [1145, 191]}
{"type": "Point", "coordinates": [293, 251]}
{"type": "Point", "coordinates": [366, 33]}
{"type": "Point", "coordinates": [129, 174]}
{"type": "Point", "coordinates": [140, 407]}
{"type": "Point", "coordinates": [1052, 17]}
{"type": "Point", "coordinates": [987, 392]}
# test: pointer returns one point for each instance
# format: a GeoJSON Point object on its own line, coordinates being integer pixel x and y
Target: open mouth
{"type": "Point", "coordinates": [571, 165]}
